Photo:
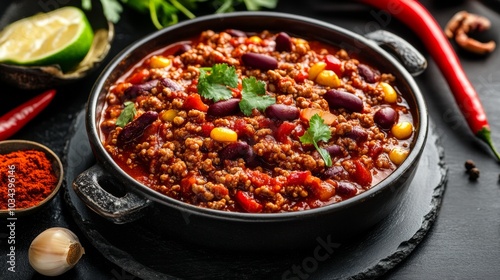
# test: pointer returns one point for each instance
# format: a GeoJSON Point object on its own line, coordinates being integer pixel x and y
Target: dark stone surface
{"type": "Point", "coordinates": [156, 255]}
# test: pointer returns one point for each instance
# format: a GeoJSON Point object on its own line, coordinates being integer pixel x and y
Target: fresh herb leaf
{"type": "Point", "coordinates": [127, 115]}
{"type": "Point", "coordinates": [112, 9]}
{"type": "Point", "coordinates": [318, 131]}
{"type": "Point", "coordinates": [214, 86]}
{"type": "Point", "coordinates": [164, 13]}
{"type": "Point", "coordinates": [253, 96]}
{"type": "Point", "coordinates": [254, 5]}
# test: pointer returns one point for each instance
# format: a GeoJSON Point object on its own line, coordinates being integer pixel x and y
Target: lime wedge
{"type": "Point", "coordinates": [62, 37]}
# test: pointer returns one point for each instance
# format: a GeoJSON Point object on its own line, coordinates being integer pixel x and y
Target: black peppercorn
{"type": "Point", "coordinates": [469, 164]}
{"type": "Point", "coordinates": [473, 174]}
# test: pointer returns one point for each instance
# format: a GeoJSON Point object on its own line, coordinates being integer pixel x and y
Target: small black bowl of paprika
{"type": "Point", "coordinates": [30, 176]}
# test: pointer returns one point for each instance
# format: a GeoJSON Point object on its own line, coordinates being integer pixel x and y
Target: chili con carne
{"type": "Point", "coordinates": [417, 17]}
{"type": "Point", "coordinates": [273, 130]}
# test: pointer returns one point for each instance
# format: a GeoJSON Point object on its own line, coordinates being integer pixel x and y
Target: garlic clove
{"type": "Point", "coordinates": [55, 251]}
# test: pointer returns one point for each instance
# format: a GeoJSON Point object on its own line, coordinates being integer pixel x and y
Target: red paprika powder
{"type": "Point", "coordinates": [31, 175]}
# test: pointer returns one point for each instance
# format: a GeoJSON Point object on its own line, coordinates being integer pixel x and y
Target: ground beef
{"type": "Point", "coordinates": [269, 167]}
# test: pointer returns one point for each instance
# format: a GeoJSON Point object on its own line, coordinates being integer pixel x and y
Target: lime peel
{"type": "Point", "coordinates": [61, 37]}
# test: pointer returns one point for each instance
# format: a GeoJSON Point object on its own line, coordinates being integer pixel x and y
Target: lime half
{"type": "Point", "coordinates": [63, 37]}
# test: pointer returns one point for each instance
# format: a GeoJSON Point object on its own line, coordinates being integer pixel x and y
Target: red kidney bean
{"type": "Point", "coordinates": [236, 33]}
{"type": "Point", "coordinates": [385, 117]}
{"type": "Point", "coordinates": [334, 150]}
{"type": "Point", "coordinates": [224, 107]}
{"type": "Point", "coordinates": [342, 99]}
{"type": "Point", "coordinates": [367, 73]}
{"type": "Point", "coordinates": [259, 61]}
{"type": "Point", "coordinates": [282, 112]}
{"type": "Point", "coordinates": [136, 128]}
{"type": "Point", "coordinates": [358, 134]}
{"type": "Point", "coordinates": [182, 49]}
{"type": "Point", "coordinates": [333, 172]}
{"type": "Point", "coordinates": [174, 86]}
{"type": "Point", "coordinates": [238, 150]}
{"type": "Point", "coordinates": [135, 90]}
{"type": "Point", "coordinates": [346, 189]}
{"type": "Point", "coordinates": [283, 42]}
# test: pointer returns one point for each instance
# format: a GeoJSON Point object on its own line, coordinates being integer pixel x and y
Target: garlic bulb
{"type": "Point", "coordinates": [55, 251]}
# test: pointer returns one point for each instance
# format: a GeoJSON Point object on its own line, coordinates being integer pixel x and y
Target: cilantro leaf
{"type": "Point", "coordinates": [127, 115]}
{"type": "Point", "coordinates": [214, 86]}
{"type": "Point", "coordinates": [318, 131]}
{"type": "Point", "coordinates": [254, 95]}
{"type": "Point", "coordinates": [112, 9]}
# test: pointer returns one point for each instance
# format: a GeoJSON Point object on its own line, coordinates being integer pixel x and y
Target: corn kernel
{"type": "Point", "coordinates": [316, 69]}
{"type": "Point", "coordinates": [223, 134]}
{"type": "Point", "coordinates": [390, 95]}
{"type": "Point", "coordinates": [159, 62]}
{"type": "Point", "coordinates": [255, 40]}
{"type": "Point", "coordinates": [168, 115]}
{"type": "Point", "coordinates": [398, 155]}
{"type": "Point", "coordinates": [328, 78]}
{"type": "Point", "coordinates": [402, 130]}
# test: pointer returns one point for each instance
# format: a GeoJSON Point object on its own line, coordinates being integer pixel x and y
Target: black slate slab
{"type": "Point", "coordinates": [139, 249]}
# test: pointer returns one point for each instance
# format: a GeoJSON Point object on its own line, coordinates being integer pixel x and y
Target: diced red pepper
{"type": "Point", "coordinates": [301, 77]}
{"type": "Point", "coordinates": [206, 128]}
{"type": "Point", "coordinates": [363, 176]}
{"type": "Point", "coordinates": [284, 131]}
{"type": "Point", "coordinates": [187, 183]}
{"type": "Point", "coordinates": [249, 204]}
{"type": "Point", "coordinates": [193, 101]}
{"type": "Point", "coordinates": [240, 126]}
{"type": "Point", "coordinates": [138, 77]}
{"type": "Point", "coordinates": [260, 179]}
{"type": "Point", "coordinates": [297, 178]}
{"type": "Point", "coordinates": [334, 64]}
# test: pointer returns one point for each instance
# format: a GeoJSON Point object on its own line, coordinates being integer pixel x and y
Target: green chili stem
{"type": "Point", "coordinates": [485, 135]}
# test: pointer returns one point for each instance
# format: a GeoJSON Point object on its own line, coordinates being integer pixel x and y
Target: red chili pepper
{"type": "Point", "coordinates": [418, 18]}
{"type": "Point", "coordinates": [15, 119]}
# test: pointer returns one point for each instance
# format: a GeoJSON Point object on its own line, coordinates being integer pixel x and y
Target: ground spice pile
{"type": "Point", "coordinates": [31, 174]}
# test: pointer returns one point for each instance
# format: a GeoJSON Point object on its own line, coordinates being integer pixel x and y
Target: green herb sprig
{"type": "Point", "coordinates": [164, 13]}
{"type": "Point", "coordinates": [217, 85]}
{"type": "Point", "coordinates": [318, 131]}
{"type": "Point", "coordinates": [253, 95]}
{"type": "Point", "coordinates": [127, 115]}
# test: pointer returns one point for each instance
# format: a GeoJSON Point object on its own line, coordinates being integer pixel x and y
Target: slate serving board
{"type": "Point", "coordinates": [142, 251]}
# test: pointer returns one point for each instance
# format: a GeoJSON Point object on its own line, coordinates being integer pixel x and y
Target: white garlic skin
{"type": "Point", "coordinates": [55, 251]}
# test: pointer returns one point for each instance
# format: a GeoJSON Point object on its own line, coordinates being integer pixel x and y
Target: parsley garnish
{"type": "Point", "coordinates": [318, 131]}
{"type": "Point", "coordinates": [215, 86]}
{"type": "Point", "coordinates": [253, 96]}
{"type": "Point", "coordinates": [127, 115]}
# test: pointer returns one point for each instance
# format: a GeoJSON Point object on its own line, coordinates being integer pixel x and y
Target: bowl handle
{"type": "Point", "coordinates": [119, 210]}
{"type": "Point", "coordinates": [410, 57]}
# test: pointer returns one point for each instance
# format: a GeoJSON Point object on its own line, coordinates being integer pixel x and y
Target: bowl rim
{"type": "Point", "coordinates": [104, 159]}
{"type": "Point", "coordinates": [54, 159]}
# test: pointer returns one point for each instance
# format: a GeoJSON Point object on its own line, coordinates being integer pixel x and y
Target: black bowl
{"type": "Point", "coordinates": [244, 231]}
